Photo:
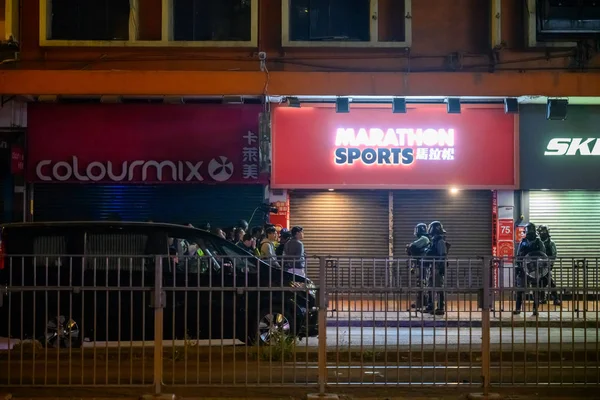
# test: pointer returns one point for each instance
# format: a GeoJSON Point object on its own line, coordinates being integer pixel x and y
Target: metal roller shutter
{"type": "Point", "coordinates": [222, 205]}
{"type": "Point", "coordinates": [573, 218]}
{"type": "Point", "coordinates": [343, 225]}
{"type": "Point", "coordinates": [466, 216]}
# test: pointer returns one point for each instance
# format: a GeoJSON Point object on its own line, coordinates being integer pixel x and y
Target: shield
{"type": "Point", "coordinates": [537, 265]}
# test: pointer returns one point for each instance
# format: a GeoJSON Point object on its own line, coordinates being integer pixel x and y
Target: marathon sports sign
{"type": "Point", "coordinates": [219, 169]}
{"type": "Point", "coordinates": [392, 146]}
{"type": "Point", "coordinates": [573, 147]}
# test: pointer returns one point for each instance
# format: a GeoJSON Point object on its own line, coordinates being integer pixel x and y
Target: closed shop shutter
{"type": "Point", "coordinates": [466, 216]}
{"type": "Point", "coordinates": [221, 206]}
{"type": "Point", "coordinates": [573, 218]}
{"type": "Point", "coordinates": [343, 225]}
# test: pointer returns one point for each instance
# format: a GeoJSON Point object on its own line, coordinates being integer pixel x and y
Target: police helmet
{"type": "Point", "coordinates": [285, 234]}
{"type": "Point", "coordinates": [543, 231]}
{"type": "Point", "coordinates": [436, 228]}
{"type": "Point", "coordinates": [530, 228]}
{"type": "Point", "coordinates": [420, 229]}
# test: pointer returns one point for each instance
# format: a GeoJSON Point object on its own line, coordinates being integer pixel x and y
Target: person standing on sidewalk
{"type": "Point", "coordinates": [267, 247]}
{"type": "Point", "coordinates": [548, 280]}
{"type": "Point", "coordinates": [294, 253]}
{"type": "Point", "coordinates": [438, 251]}
{"type": "Point", "coordinates": [531, 246]}
{"type": "Point", "coordinates": [416, 251]}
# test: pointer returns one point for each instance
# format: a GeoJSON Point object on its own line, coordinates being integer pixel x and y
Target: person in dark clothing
{"type": "Point", "coordinates": [438, 251]}
{"type": "Point", "coordinates": [258, 234]}
{"type": "Point", "coordinates": [417, 251]}
{"type": "Point", "coordinates": [248, 243]}
{"type": "Point", "coordinates": [529, 254]}
{"type": "Point", "coordinates": [284, 236]}
{"type": "Point", "coordinates": [548, 281]}
{"type": "Point", "coordinates": [239, 234]}
{"type": "Point", "coordinates": [219, 232]}
{"type": "Point", "coordinates": [242, 223]}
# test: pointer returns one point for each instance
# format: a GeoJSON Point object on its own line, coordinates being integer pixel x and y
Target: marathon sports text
{"type": "Point", "coordinates": [392, 146]}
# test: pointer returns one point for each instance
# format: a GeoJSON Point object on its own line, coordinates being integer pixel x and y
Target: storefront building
{"type": "Point", "coordinates": [170, 163]}
{"type": "Point", "coordinates": [359, 182]}
{"type": "Point", "coordinates": [559, 164]}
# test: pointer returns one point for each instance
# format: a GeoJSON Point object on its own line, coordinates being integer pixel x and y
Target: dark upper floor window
{"type": "Point", "coordinates": [89, 19]}
{"type": "Point", "coordinates": [346, 23]}
{"type": "Point", "coordinates": [568, 16]}
{"type": "Point", "coordinates": [326, 20]}
{"type": "Point", "coordinates": [210, 20]}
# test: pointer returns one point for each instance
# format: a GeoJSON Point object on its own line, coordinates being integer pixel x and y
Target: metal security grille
{"type": "Point", "coordinates": [466, 216]}
{"type": "Point", "coordinates": [572, 217]}
{"type": "Point", "coordinates": [342, 224]}
{"type": "Point", "coordinates": [221, 206]}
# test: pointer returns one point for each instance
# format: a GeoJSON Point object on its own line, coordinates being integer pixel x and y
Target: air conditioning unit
{"type": "Point", "coordinates": [560, 23]}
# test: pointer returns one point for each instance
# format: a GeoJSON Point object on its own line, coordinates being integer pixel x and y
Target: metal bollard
{"type": "Point", "coordinates": [322, 327]}
{"type": "Point", "coordinates": [485, 328]}
{"type": "Point", "coordinates": [158, 305]}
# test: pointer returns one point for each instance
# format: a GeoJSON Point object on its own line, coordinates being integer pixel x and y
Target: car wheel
{"type": "Point", "coordinates": [272, 327]}
{"type": "Point", "coordinates": [61, 333]}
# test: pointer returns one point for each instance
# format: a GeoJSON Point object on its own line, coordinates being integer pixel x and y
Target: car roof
{"type": "Point", "coordinates": [91, 224]}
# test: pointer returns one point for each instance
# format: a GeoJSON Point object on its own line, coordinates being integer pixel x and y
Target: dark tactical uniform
{"type": "Point", "coordinates": [548, 280]}
{"type": "Point", "coordinates": [531, 245]}
{"type": "Point", "coordinates": [438, 252]}
{"type": "Point", "coordinates": [418, 266]}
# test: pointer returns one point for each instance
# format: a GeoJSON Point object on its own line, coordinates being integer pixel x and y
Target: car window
{"type": "Point", "coordinates": [122, 249]}
{"type": "Point", "coordinates": [189, 254]}
{"type": "Point", "coordinates": [235, 256]}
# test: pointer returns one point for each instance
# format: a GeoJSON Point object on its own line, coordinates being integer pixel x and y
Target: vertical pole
{"type": "Point", "coordinates": [322, 327]}
{"type": "Point", "coordinates": [158, 326]}
{"type": "Point", "coordinates": [485, 326]}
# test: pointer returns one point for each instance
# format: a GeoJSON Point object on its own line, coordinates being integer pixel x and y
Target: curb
{"type": "Point", "coordinates": [458, 324]}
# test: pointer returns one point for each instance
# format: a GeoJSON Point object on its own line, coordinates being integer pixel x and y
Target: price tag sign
{"type": "Point", "coordinates": [505, 230]}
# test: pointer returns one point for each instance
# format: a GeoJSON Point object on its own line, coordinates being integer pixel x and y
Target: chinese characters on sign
{"type": "Point", "coordinates": [250, 156]}
{"type": "Point", "coordinates": [17, 163]}
{"type": "Point", "coordinates": [393, 146]}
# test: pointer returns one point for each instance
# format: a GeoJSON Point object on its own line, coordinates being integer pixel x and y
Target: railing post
{"type": "Point", "coordinates": [158, 303]}
{"type": "Point", "coordinates": [485, 325]}
{"type": "Point", "coordinates": [322, 326]}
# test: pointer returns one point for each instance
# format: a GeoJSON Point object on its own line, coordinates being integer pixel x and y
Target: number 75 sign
{"type": "Point", "coordinates": [505, 230]}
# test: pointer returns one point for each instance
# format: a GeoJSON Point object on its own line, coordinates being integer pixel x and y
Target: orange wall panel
{"type": "Point", "coordinates": [446, 36]}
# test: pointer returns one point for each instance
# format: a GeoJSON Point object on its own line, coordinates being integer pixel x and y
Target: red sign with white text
{"type": "Point", "coordinates": [371, 148]}
{"type": "Point", "coordinates": [143, 143]}
{"type": "Point", "coordinates": [505, 230]}
{"type": "Point", "coordinates": [17, 160]}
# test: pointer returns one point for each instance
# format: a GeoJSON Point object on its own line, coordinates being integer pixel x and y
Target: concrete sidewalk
{"type": "Point", "coordinates": [465, 314]}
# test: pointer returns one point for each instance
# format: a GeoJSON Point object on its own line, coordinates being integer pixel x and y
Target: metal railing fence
{"type": "Point", "coordinates": [161, 322]}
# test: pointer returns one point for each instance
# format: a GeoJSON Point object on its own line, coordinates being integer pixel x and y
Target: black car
{"type": "Point", "coordinates": [66, 282]}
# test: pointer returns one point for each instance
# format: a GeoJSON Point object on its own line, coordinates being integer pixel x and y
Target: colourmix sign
{"type": "Point", "coordinates": [372, 148]}
{"type": "Point", "coordinates": [133, 143]}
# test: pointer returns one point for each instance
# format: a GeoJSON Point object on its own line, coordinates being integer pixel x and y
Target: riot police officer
{"type": "Point", "coordinates": [547, 280]}
{"type": "Point", "coordinates": [533, 248]}
{"type": "Point", "coordinates": [438, 251]}
{"type": "Point", "coordinates": [416, 251]}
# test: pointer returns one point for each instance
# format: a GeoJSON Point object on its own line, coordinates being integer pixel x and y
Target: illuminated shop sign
{"type": "Point", "coordinates": [573, 147]}
{"type": "Point", "coordinates": [392, 146]}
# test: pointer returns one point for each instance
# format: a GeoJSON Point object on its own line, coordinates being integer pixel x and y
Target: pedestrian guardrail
{"type": "Point", "coordinates": [163, 322]}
